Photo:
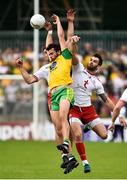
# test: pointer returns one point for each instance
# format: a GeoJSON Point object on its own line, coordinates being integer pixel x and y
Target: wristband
{"type": "Point", "coordinates": [50, 32]}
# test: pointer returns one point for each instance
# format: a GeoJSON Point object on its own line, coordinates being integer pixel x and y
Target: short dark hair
{"type": "Point", "coordinates": [99, 57]}
{"type": "Point", "coordinates": [55, 46]}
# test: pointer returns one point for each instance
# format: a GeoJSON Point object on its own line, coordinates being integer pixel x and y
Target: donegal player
{"type": "Point", "coordinates": [59, 82]}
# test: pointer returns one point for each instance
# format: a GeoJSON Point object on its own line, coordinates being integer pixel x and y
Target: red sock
{"type": "Point", "coordinates": [81, 150]}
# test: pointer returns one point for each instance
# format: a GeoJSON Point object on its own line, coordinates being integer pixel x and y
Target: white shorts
{"type": "Point", "coordinates": [91, 123]}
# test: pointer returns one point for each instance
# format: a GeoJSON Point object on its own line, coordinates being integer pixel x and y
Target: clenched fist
{"type": "Point", "coordinates": [19, 62]}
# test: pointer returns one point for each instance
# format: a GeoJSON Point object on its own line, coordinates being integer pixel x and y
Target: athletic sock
{"type": "Point", "coordinates": [66, 142]}
{"type": "Point", "coordinates": [64, 155]}
{"type": "Point", "coordinates": [81, 150]}
{"type": "Point", "coordinates": [85, 162]}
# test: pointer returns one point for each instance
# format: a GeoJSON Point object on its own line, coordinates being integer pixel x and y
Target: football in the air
{"type": "Point", "coordinates": [37, 21]}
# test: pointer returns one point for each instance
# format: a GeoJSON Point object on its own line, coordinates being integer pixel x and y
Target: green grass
{"type": "Point", "coordinates": [41, 160]}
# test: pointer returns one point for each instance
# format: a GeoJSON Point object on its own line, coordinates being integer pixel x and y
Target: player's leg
{"type": "Point", "coordinates": [64, 110]}
{"type": "Point", "coordinates": [66, 99]}
{"type": "Point", "coordinates": [94, 121]}
{"type": "Point", "coordinates": [59, 136]}
{"type": "Point", "coordinates": [77, 135]}
{"type": "Point", "coordinates": [58, 132]}
{"type": "Point", "coordinates": [99, 128]}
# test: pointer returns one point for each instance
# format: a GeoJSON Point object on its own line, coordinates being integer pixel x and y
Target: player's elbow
{"type": "Point", "coordinates": [104, 136]}
{"type": "Point", "coordinates": [29, 81]}
{"type": "Point", "coordinates": [116, 109]}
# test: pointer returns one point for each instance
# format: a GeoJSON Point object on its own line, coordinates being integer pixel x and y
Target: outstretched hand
{"type": "Point", "coordinates": [55, 18]}
{"type": "Point", "coordinates": [123, 122]}
{"type": "Point", "coordinates": [71, 15]}
{"type": "Point", "coordinates": [48, 26]}
{"type": "Point", "coordinates": [111, 127]}
{"type": "Point", "coordinates": [75, 39]}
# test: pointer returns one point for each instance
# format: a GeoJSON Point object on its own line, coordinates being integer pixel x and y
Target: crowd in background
{"type": "Point", "coordinates": [113, 75]}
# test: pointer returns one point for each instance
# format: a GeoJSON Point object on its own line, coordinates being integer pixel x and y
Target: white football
{"type": "Point", "coordinates": [37, 21]}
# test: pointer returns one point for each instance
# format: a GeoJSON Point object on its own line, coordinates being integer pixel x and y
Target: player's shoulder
{"type": "Point", "coordinates": [79, 65]}
{"type": "Point", "coordinates": [94, 76]}
{"type": "Point", "coordinates": [124, 95]}
{"type": "Point", "coordinates": [66, 54]}
{"type": "Point", "coordinates": [125, 91]}
{"type": "Point", "coordinates": [46, 66]}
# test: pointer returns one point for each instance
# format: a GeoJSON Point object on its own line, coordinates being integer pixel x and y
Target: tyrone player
{"type": "Point", "coordinates": [83, 112]}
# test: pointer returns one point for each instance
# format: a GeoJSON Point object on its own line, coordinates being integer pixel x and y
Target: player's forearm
{"type": "Point", "coordinates": [110, 104]}
{"type": "Point", "coordinates": [70, 30]}
{"type": "Point", "coordinates": [115, 114]}
{"type": "Point", "coordinates": [29, 79]}
{"type": "Point", "coordinates": [74, 50]}
{"type": "Point", "coordinates": [60, 31]}
{"type": "Point", "coordinates": [49, 39]}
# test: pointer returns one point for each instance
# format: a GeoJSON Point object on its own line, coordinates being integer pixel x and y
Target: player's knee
{"type": "Point", "coordinates": [78, 136]}
{"type": "Point", "coordinates": [104, 135]}
{"type": "Point", "coordinates": [59, 133]}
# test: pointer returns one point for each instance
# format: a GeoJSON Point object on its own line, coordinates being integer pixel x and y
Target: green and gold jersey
{"type": "Point", "coordinates": [60, 70]}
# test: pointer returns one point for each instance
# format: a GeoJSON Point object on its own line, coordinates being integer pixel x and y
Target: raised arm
{"type": "Point", "coordinates": [49, 39]}
{"type": "Point", "coordinates": [60, 32]}
{"type": "Point", "coordinates": [70, 19]}
{"type": "Point", "coordinates": [29, 79]}
{"type": "Point", "coordinates": [74, 49]}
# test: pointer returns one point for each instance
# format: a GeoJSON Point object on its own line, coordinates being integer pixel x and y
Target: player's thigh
{"type": "Point", "coordinates": [64, 109]}
{"type": "Point", "coordinates": [100, 130]}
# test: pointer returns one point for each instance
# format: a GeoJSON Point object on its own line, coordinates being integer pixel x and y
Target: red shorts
{"type": "Point", "coordinates": [85, 114]}
{"type": "Point", "coordinates": [49, 100]}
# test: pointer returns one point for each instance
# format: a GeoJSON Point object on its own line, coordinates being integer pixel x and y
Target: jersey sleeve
{"type": "Point", "coordinates": [124, 96]}
{"type": "Point", "coordinates": [43, 72]}
{"type": "Point", "coordinates": [122, 112]}
{"type": "Point", "coordinates": [66, 54]}
{"type": "Point", "coordinates": [78, 67]}
{"type": "Point", "coordinates": [99, 88]}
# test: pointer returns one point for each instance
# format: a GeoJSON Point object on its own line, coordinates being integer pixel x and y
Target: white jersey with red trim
{"type": "Point", "coordinates": [124, 96]}
{"type": "Point", "coordinates": [84, 84]}
{"type": "Point", "coordinates": [43, 72]}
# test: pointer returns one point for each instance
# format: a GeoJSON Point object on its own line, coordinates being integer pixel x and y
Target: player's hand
{"type": "Point", "coordinates": [48, 26]}
{"type": "Point", "coordinates": [123, 122]}
{"type": "Point", "coordinates": [19, 62]}
{"type": "Point", "coordinates": [75, 39]}
{"type": "Point", "coordinates": [111, 127]}
{"type": "Point", "coordinates": [71, 15]}
{"type": "Point", "coordinates": [55, 18]}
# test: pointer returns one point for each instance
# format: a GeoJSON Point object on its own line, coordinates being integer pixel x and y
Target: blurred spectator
{"type": "Point", "coordinates": [2, 100]}
{"type": "Point", "coordinates": [112, 74]}
{"type": "Point", "coordinates": [10, 96]}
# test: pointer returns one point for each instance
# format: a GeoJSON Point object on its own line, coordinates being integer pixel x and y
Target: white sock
{"type": "Point", "coordinates": [85, 162]}
{"type": "Point", "coordinates": [63, 155]}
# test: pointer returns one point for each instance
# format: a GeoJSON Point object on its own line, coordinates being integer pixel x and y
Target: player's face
{"type": "Point", "coordinates": [52, 54]}
{"type": "Point", "coordinates": [93, 63]}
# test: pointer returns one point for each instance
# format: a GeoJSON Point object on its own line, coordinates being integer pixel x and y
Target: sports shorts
{"type": "Point", "coordinates": [84, 114]}
{"type": "Point", "coordinates": [60, 94]}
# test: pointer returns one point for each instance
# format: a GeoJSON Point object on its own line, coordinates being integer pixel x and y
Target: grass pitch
{"type": "Point", "coordinates": [41, 160]}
